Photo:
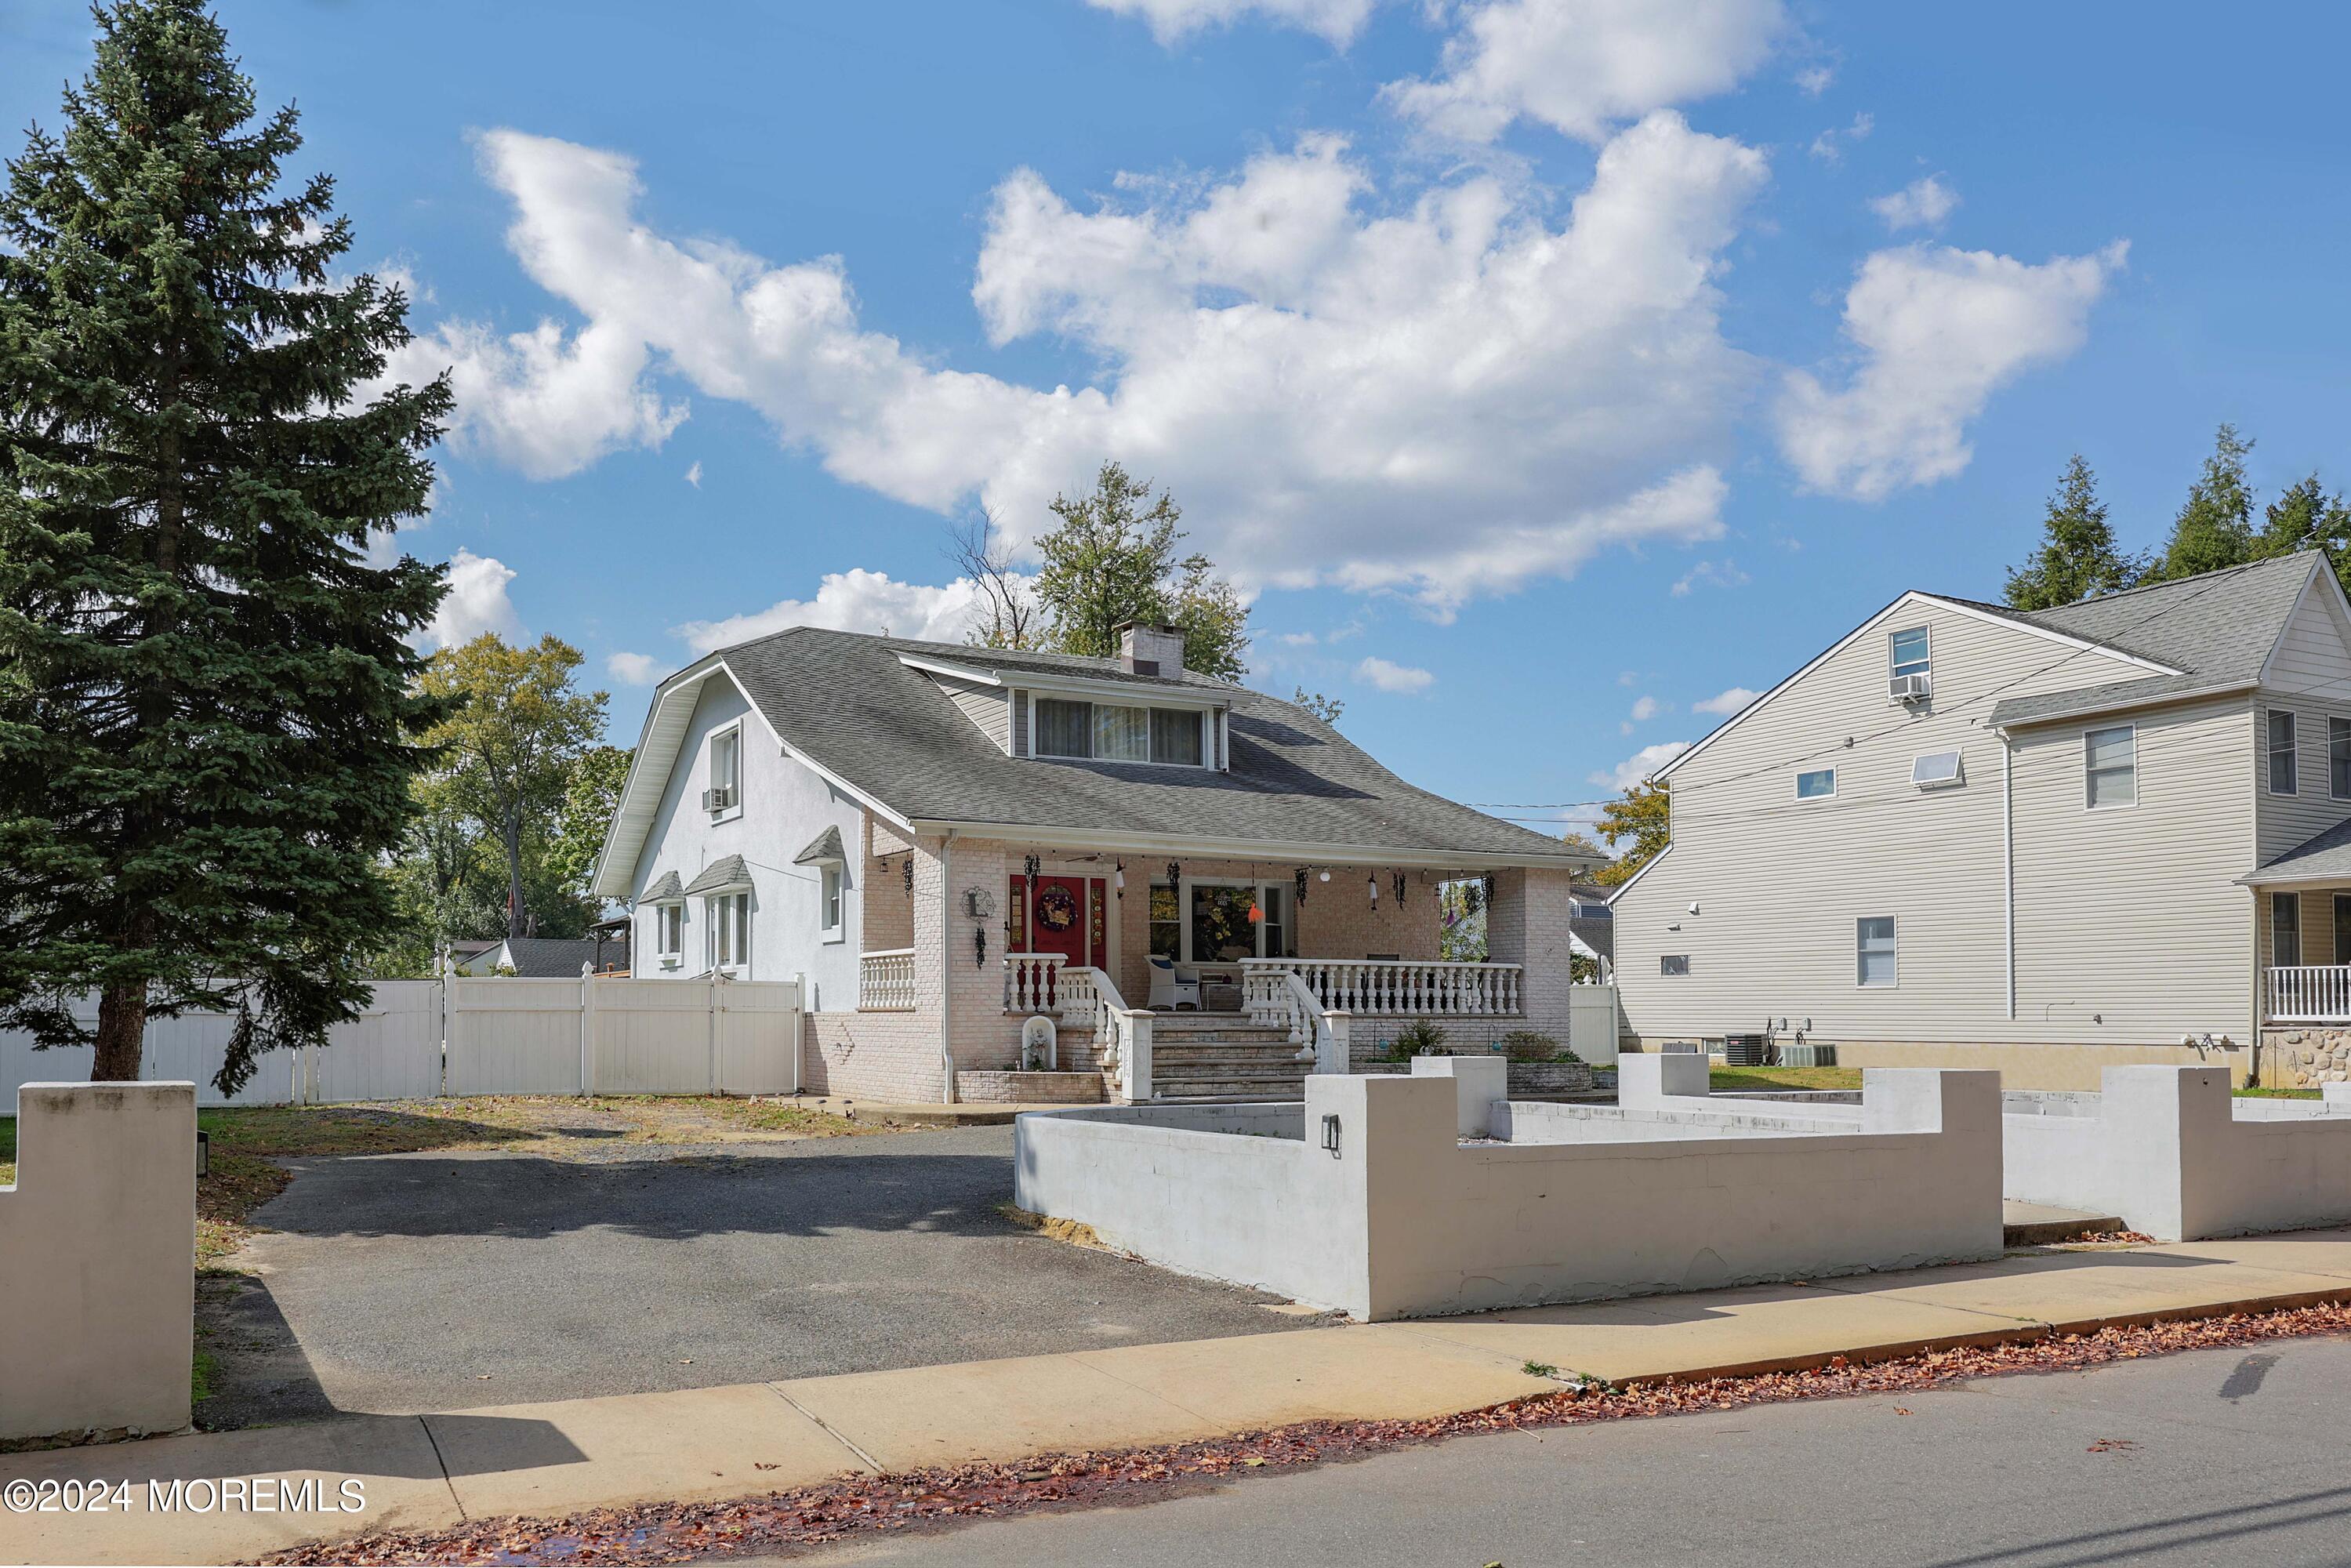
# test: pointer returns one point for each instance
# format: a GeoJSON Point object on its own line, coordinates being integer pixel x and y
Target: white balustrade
{"type": "Point", "coordinates": [885, 981]}
{"type": "Point", "coordinates": [2313, 993]}
{"type": "Point", "coordinates": [1378, 987]}
{"type": "Point", "coordinates": [1029, 982]}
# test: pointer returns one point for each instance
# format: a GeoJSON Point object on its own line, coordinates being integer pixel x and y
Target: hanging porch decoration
{"type": "Point", "coordinates": [1372, 881]}
{"type": "Point", "coordinates": [1057, 909]}
{"type": "Point", "coordinates": [1301, 880]}
{"type": "Point", "coordinates": [1400, 886]}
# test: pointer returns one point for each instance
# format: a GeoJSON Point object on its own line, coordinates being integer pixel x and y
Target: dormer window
{"type": "Point", "coordinates": [1111, 732]}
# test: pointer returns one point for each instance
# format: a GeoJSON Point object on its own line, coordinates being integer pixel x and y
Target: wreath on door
{"type": "Point", "coordinates": [1056, 909]}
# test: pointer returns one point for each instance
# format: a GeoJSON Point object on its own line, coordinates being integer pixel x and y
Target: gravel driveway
{"type": "Point", "coordinates": [399, 1283]}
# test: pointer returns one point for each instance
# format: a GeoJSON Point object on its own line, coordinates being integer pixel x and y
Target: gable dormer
{"type": "Point", "coordinates": [1077, 716]}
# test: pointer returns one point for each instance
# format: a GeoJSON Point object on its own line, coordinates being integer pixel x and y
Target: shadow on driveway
{"type": "Point", "coordinates": [438, 1281]}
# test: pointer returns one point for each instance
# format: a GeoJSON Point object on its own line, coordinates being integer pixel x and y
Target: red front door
{"type": "Point", "coordinates": [1063, 914]}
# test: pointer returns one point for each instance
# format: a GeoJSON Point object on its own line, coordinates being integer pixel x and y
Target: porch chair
{"type": "Point", "coordinates": [1171, 986]}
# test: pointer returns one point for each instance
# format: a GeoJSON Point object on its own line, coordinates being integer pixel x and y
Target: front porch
{"type": "Point", "coordinates": [1285, 969]}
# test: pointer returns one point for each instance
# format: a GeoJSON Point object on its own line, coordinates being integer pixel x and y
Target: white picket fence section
{"type": "Point", "coordinates": [608, 1035]}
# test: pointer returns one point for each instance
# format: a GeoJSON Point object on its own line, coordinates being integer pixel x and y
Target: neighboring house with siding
{"type": "Point", "coordinates": [931, 837]}
{"type": "Point", "coordinates": [2046, 841]}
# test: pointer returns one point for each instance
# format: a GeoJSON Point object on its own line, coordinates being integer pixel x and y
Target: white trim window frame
{"type": "Point", "coordinates": [1115, 732]}
{"type": "Point", "coordinates": [1816, 794]}
{"type": "Point", "coordinates": [728, 937]}
{"type": "Point", "coordinates": [2338, 757]}
{"type": "Point", "coordinates": [831, 899]}
{"type": "Point", "coordinates": [723, 747]}
{"type": "Point", "coordinates": [2279, 721]}
{"type": "Point", "coordinates": [2110, 766]}
{"type": "Point", "coordinates": [1876, 937]}
{"type": "Point", "coordinates": [669, 932]}
{"type": "Point", "coordinates": [2285, 935]}
{"type": "Point", "coordinates": [1922, 663]}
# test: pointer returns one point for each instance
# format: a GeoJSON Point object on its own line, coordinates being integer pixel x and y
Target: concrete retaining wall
{"type": "Point", "coordinates": [97, 1261]}
{"type": "Point", "coordinates": [2168, 1150]}
{"type": "Point", "coordinates": [1382, 1210]}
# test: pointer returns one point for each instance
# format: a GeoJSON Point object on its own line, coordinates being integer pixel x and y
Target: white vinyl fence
{"type": "Point", "coordinates": [604, 1035]}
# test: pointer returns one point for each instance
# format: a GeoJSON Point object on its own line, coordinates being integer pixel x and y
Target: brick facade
{"type": "Point", "coordinates": [895, 1056]}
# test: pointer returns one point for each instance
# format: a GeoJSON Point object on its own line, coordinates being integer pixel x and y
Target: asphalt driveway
{"type": "Point", "coordinates": [399, 1283]}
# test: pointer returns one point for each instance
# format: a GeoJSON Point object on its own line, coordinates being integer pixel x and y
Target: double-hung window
{"type": "Point", "coordinates": [1907, 653]}
{"type": "Point", "coordinates": [730, 931]}
{"type": "Point", "coordinates": [2285, 929]}
{"type": "Point", "coordinates": [669, 933]}
{"type": "Point", "coordinates": [726, 792]}
{"type": "Point", "coordinates": [829, 902]}
{"type": "Point", "coordinates": [1113, 732]}
{"type": "Point", "coordinates": [1873, 936]}
{"type": "Point", "coordinates": [2281, 753]}
{"type": "Point", "coordinates": [2110, 765]}
{"type": "Point", "coordinates": [2338, 757]}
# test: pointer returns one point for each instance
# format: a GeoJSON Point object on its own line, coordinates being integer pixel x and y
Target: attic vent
{"type": "Point", "coordinates": [1937, 771]}
{"type": "Point", "coordinates": [1146, 667]}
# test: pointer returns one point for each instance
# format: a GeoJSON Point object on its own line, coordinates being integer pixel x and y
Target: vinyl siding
{"type": "Point", "coordinates": [1779, 882]}
{"type": "Point", "coordinates": [2310, 677]}
{"type": "Point", "coordinates": [2130, 926]}
{"type": "Point", "coordinates": [990, 708]}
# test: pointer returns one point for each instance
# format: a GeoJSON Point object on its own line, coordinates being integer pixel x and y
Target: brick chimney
{"type": "Point", "coordinates": [1150, 650]}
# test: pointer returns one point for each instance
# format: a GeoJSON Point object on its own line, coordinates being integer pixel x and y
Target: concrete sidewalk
{"type": "Point", "coordinates": [430, 1472]}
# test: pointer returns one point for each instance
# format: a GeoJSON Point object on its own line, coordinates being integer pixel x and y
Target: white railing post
{"type": "Point", "coordinates": [1385, 989]}
{"type": "Point", "coordinates": [2307, 993]}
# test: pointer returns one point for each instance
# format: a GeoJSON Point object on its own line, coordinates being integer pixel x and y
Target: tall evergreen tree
{"type": "Point", "coordinates": [206, 704]}
{"type": "Point", "coordinates": [2077, 559]}
{"type": "Point", "coordinates": [2215, 526]}
{"type": "Point", "coordinates": [2307, 517]}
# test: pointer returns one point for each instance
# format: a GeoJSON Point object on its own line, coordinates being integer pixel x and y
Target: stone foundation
{"type": "Point", "coordinates": [2306, 1058]}
{"type": "Point", "coordinates": [990, 1088]}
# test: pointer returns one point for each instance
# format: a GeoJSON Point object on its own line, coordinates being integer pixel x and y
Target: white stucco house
{"type": "Point", "coordinates": [2046, 841]}
{"type": "Point", "coordinates": [942, 841]}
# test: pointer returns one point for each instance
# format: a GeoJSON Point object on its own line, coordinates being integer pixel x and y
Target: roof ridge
{"type": "Point", "coordinates": [2171, 583]}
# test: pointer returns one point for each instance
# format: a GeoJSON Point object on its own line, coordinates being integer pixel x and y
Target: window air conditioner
{"type": "Point", "coordinates": [717, 799]}
{"type": "Point", "coordinates": [1909, 688]}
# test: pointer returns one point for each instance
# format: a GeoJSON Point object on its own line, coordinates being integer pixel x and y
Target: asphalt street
{"type": "Point", "coordinates": [435, 1281]}
{"type": "Point", "coordinates": [2216, 1457]}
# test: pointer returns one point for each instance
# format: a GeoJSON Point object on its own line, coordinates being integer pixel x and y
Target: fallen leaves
{"type": "Point", "coordinates": [856, 1503]}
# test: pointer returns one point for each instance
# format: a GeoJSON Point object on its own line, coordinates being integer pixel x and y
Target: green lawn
{"type": "Point", "coordinates": [8, 1150]}
{"type": "Point", "coordinates": [1752, 1080]}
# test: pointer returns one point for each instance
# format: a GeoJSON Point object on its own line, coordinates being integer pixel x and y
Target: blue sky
{"type": "Point", "coordinates": [1546, 370]}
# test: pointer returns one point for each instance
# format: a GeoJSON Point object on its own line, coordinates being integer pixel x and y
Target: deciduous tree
{"type": "Point", "coordinates": [515, 729]}
{"type": "Point", "coordinates": [1638, 826]}
{"type": "Point", "coordinates": [1113, 559]}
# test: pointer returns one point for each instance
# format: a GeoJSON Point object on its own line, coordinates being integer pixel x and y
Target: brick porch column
{"type": "Point", "coordinates": [1527, 925]}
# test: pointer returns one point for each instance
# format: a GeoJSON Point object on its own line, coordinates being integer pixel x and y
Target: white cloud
{"type": "Point", "coordinates": [1298, 639]}
{"type": "Point", "coordinates": [1829, 145]}
{"type": "Point", "coordinates": [1814, 80]}
{"type": "Point", "coordinates": [854, 601]}
{"type": "Point", "coordinates": [1923, 204]}
{"type": "Point", "coordinates": [1645, 709]}
{"type": "Point", "coordinates": [1170, 20]}
{"type": "Point", "coordinates": [1709, 573]}
{"type": "Point", "coordinates": [1390, 677]}
{"type": "Point", "coordinates": [1726, 703]}
{"type": "Point", "coordinates": [1640, 765]}
{"type": "Point", "coordinates": [477, 602]}
{"type": "Point", "coordinates": [633, 669]}
{"type": "Point", "coordinates": [1937, 331]}
{"type": "Point", "coordinates": [694, 474]}
{"type": "Point", "coordinates": [1582, 66]}
{"type": "Point", "coordinates": [1319, 376]}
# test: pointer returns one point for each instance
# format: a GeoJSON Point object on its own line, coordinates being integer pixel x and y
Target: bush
{"type": "Point", "coordinates": [1418, 1038]}
{"type": "Point", "coordinates": [1533, 1045]}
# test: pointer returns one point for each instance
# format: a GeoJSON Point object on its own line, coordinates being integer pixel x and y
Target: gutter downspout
{"type": "Point", "coordinates": [947, 977]}
{"type": "Point", "coordinates": [2008, 862]}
